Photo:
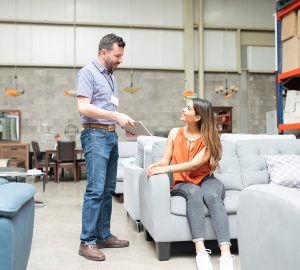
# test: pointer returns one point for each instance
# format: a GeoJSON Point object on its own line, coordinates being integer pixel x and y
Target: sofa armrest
{"type": "Point", "coordinates": [268, 225]}
{"type": "Point", "coordinates": [13, 196]}
{"type": "Point", "coordinates": [131, 178]}
{"type": "Point", "coordinates": [155, 204]}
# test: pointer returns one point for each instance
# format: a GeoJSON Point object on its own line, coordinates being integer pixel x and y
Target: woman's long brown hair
{"type": "Point", "coordinates": [208, 130]}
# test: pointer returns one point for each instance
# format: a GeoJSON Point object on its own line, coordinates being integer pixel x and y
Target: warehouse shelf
{"type": "Point", "coordinates": [288, 8]}
{"type": "Point", "coordinates": [293, 126]}
{"type": "Point", "coordinates": [223, 119]}
{"type": "Point", "coordinates": [289, 80]}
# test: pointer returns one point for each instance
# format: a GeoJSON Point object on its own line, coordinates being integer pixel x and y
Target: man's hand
{"type": "Point", "coordinates": [129, 134]}
{"type": "Point", "coordinates": [124, 120]}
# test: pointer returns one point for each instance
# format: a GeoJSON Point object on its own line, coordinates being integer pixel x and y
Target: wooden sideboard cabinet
{"type": "Point", "coordinates": [17, 153]}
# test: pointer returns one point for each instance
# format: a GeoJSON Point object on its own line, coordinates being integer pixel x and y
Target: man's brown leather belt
{"type": "Point", "coordinates": [94, 125]}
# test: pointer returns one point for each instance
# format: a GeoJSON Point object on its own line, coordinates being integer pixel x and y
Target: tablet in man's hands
{"type": "Point", "coordinates": [139, 129]}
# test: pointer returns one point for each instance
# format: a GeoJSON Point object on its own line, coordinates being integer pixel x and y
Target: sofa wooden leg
{"type": "Point", "coordinates": [163, 250]}
{"type": "Point", "coordinates": [121, 198]}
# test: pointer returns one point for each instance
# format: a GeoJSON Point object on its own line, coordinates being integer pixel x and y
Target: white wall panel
{"type": "Point", "coordinates": [158, 12]}
{"type": "Point", "coordinates": [238, 13]}
{"type": "Point", "coordinates": [7, 9]}
{"type": "Point", "coordinates": [159, 49]}
{"type": "Point", "coordinates": [260, 59]}
{"type": "Point", "coordinates": [144, 48]}
{"type": "Point", "coordinates": [145, 12]}
{"type": "Point", "coordinates": [52, 45]}
{"type": "Point", "coordinates": [102, 11]}
{"type": "Point", "coordinates": [51, 10]}
{"type": "Point", "coordinates": [24, 41]}
{"type": "Point", "coordinates": [88, 41]}
{"type": "Point", "coordinates": [220, 50]}
{"type": "Point", "coordinates": [8, 43]}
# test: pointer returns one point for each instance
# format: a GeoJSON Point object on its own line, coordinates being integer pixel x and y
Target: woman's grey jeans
{"type": "Point", "coordinates": [211, 192]}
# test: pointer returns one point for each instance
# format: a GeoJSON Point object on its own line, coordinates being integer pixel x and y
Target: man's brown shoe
{"type": "Point", "coordinates": [91, 252]}
{"type": "Point", "coordinates": [113, 242]}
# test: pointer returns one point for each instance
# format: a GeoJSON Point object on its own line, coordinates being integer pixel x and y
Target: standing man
{"type": "Point", "coordinates": [97, 100]}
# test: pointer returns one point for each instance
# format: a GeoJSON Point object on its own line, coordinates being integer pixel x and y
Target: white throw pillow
{"type": "Point", "coordinates": [284, 170]}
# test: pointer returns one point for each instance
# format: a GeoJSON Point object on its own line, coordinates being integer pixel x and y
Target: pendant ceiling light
{"type": "Point", "coordinates": [15, 89]}
{"type": "Point", "coordinates": [227, 89]}
{"type": "Point", "coordinates": [72, 92]}
{"type": "Point", "coordinates": [131, 89]}
{"type": "Point", "coordinates": [188, 94]}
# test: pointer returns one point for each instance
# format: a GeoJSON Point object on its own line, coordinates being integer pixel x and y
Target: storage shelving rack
{"type": "Point", "coordinates": [223, 119]}
{"type": "Point", "coordinates": [287, 80]}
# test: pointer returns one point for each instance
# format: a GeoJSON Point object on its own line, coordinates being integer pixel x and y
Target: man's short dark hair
{"type": "Point", "coordinates": [108, 41]}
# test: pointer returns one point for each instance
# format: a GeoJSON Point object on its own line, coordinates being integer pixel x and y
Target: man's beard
{"type": "Point", "coordinates": [110, 66]}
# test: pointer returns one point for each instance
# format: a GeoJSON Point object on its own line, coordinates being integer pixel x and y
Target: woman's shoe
{"type": "Point", "coordinates": [203, 260]}
{"type": "Point", "coordinates": [227, 262]}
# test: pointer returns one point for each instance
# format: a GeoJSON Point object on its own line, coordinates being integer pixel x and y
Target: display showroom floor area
{"type": "Point", "coordinates": [57, 228]}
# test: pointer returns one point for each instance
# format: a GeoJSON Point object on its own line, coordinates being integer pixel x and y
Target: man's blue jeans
{"type": "Point", "coordinates": [101, 154]}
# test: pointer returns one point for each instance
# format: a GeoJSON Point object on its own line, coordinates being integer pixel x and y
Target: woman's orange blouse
{"type": "Point", "coordinates": [184, 151]}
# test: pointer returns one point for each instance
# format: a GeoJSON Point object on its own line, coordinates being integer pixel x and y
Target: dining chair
{"type": "Point", "coordinates": [40, 160]}
{"type": "Point", "coordinates": [79, 164]}
{"type": "Point", "coordinates": [66, 157]}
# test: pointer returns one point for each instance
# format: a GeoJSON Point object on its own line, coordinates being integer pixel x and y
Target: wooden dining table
{"type": "Point", "coordinates": [50, 152]}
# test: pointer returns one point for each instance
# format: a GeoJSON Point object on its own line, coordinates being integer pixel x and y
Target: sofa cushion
{"type": "Point", "coordinates": [284, 170]}
{"type": "Point", "coordinates": [229, 171]}
{"type": "Point", "coordinates": [252, 153]}
{"type": "Point", "coordinates": [13, 197]}
{"type": "Point", "coordinates": [142, 141]}
{"type": "Point", "coordinates": [178, 204]}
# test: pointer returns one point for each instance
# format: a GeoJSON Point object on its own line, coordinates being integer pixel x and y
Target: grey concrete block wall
{"type": "Point", "coordinates": [46, 111]}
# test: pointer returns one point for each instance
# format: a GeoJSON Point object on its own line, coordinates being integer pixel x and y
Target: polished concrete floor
{"type": "Point", "coordinates": [56, 237]}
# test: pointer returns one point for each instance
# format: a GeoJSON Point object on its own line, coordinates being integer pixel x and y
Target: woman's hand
{"type": "Point", "coordinates": [152, 166]}
{"type": "Point", "coordinates": [156, 169]}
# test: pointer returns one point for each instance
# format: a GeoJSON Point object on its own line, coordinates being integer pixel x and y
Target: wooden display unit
{"type": "Point", "coordinates": [223, 119]}
{"type": "Point", "coordinates": [17, 153]}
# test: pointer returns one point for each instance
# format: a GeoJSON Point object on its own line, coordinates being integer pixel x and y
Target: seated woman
{"type": "Point", "coordinates": [194, 152]}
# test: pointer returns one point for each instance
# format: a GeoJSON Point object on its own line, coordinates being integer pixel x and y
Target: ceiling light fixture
{"type": "Point", "coordinates": [131, 89]}
{"type": "Point", "coordinates": [72, 92]}
{"type": "Point", "coordinates": [227, 91]}
{"type": "Point", "coordinates": [15, 90]}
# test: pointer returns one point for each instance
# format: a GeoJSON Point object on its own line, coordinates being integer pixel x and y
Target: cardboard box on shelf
{"type": "Point", "coordinates": [289, 25]}
{"type": "Point", "coordinates": [290, 54]}
{"type": "Point", "coordinates": [292, 101]}
{"type": "Point", "coordinates": [298, 22]}
{"type": "Point", "coordinates": [291, 117]}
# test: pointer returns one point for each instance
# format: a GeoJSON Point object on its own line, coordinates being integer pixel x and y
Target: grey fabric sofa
{"type": "Point", "coordinates": [242, 166]}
